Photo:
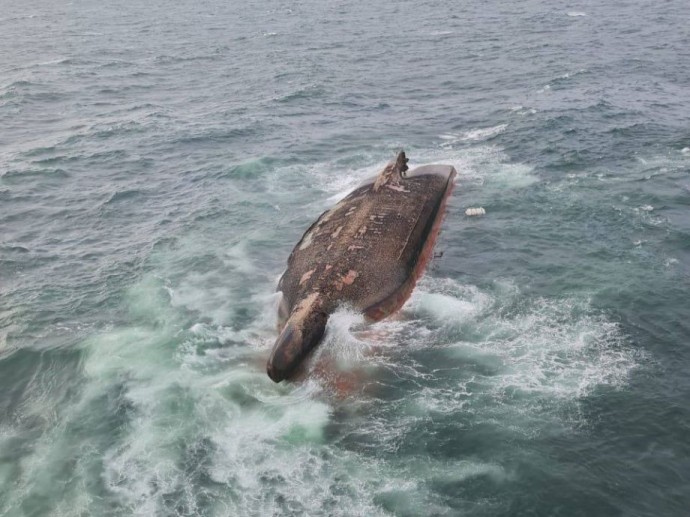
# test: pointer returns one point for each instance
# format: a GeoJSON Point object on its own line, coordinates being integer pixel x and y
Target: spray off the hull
{"type": "Point", "coordinates": [367, 251]}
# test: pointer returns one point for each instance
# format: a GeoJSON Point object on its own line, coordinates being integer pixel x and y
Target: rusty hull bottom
{"type": "Point", "coordinates": [396, 300]}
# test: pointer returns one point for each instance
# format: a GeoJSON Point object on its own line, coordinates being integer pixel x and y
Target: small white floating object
{"type": "Point", "coordinates": [475, 211]}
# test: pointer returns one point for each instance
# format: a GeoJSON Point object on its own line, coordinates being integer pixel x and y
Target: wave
{"type": "Point", "coordinates": [474, 135]}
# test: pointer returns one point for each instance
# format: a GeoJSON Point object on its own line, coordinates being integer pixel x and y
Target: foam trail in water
{"type": "Point", "coordinates": [472, 135]}
{"type": "Point", "coordinates": [482, 165]}
{"type": "Point", "coordinates": [511, 352]}
{"type": "Point", "coordinates": [193, 403]}
{"type": "Point", "coordinates": [260, 441]}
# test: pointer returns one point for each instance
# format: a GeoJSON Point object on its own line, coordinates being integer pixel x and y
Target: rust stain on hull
{"type": "Point", "coordinates": [367, 251]}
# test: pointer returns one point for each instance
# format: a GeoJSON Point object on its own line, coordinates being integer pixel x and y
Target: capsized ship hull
{"type": "Point", "coordinates": [367, 251]}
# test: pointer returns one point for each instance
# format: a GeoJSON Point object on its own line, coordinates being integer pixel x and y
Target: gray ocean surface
{"type": "Point", "coordinates": [158, 161]}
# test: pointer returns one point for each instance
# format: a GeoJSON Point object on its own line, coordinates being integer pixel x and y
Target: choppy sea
{"type": "Point", "coordinates": [158, 161]}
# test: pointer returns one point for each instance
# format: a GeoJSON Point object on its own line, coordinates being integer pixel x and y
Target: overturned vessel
{"type": "Point", "coordinates": [367, 251]}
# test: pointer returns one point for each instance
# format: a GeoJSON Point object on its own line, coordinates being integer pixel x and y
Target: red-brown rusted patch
{"type": "Point", "coordinates": [350, 277]}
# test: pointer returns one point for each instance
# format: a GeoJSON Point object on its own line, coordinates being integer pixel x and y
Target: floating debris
{"type": "Point", "coordinates": [475, 211]}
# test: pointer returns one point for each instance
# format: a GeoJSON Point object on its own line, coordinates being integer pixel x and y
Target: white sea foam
{"type": "Point", "coordinates": [670, 262]}
{"type": "Point", "coordinates": [553, 350]}
{"type": "Point", "coordinates": [250, 428]}
{"type": "Point", "coordinates": [340, 184]}
{"type": "Point", "coordinates": [490, 168]}
{"type": "Point", "coordinates": [517, 361]}
{"type": "Point", "coordinates": [511, 353]}
{"type": "Point", "coordinates": [484, 133]}
{"type": "Point", "coordinates": [478, 134]}
{"type": "Point", "coordinates": [264, 442]}
{"type": "Point", "coordinates": [332, 178]}
{"type": "Point", "coordinates": [238, 257]}
{"type": "Point", "coordinates": [483, 165]}
{"type": "Point", "coordinates": [447, 301]}
{"type": "Point", "coordinates": [576, 14]}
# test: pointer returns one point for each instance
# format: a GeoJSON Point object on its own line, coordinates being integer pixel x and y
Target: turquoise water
{"type": "Point", "coordinates": [158, 162]}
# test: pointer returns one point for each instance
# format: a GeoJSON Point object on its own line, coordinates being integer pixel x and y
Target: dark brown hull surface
{"type": "Point", "coordinates": [366, 252]}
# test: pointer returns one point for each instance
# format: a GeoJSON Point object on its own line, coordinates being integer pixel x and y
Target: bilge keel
{"type": "Point", "coordinates": [367, 251]}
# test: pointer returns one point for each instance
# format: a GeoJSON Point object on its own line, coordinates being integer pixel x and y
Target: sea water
{"type": "Point", "coordinates": [158, 161]}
